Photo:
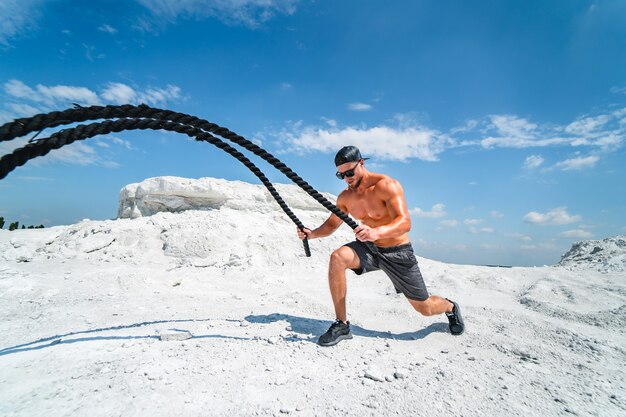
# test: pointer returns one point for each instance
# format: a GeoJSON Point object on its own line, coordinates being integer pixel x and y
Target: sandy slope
{"type": "Point", "coordinates": [83, 308]}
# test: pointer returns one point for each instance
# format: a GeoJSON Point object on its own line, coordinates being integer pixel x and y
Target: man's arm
{"type": "Point", "coordinates": [328, 227]}
{"type": "Point", "coordinates": [392, 193]}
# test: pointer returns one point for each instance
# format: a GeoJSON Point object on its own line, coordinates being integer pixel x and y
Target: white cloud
{"type": "Point", "coordinates": [69, 94]}
{"type": "Point", "coordinates": [286, 86]}
{"type": "Point", "coordinates": [23, 110]}
{"type": "Point", "coordinates": [77, 153]}
{"type": "Point", "coordinates": [476, 230]}
{"type": "Point", "coordinates": [437, 211]}
{"type": "Point", "coordinates": [578, 163]}
{"type": "Point", "coordinates": [249, 13]}
{"type": "Point", "coordinates": [473, 221]}
{"type": "Point", "coordinates": [51, 95]}
{"type": "Point", "coordinates": [159, 96]}
{"type": "Point", "coordinates": [359, 106]}
{"type": "Point", "coordinates": [515, 132]}
{"type": "Point", "coordinates": [496, 214]}
{"type": "Point", "coordinates": [533, 161]}
{"type": "Point", "coordinates": [449, 223]}
{"type": "Point", "coordinates": [605, 131]}
{"type": "Point", "coordinates": [584, 126]}
{"type": "Point", "coordinates": [410, 138]}
{"type": "Point", "coordinates": [557, 216]}
{"type": "Point", "coordinates": [44, 98]}
{"type": "Point", "coordinates": [119, 93]}
{"type": "Point", "coordinates": [108, 29]}
{"type": "Point", "coordinates": [618, 90]}
{"type": "Point", "coordinates": [383, 142]}
{"type": "Point", "coordinates": [576, 234]}
{"type": "Point", "coordinates": [330, 122]}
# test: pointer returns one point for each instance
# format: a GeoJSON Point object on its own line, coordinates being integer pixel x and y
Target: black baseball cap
{"type": "Point", "coordinates": [348, 154]}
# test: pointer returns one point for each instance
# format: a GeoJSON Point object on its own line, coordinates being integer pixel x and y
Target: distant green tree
{"type": "Point", "coordinates": [14, 226]}
{"type": "Point", "coordinates": [1, 222]}
{"type": "Point", "coordinates": [23, 227]}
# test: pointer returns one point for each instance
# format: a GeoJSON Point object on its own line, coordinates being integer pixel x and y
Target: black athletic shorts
{"type": "Point", "coordinates": [398, 262]}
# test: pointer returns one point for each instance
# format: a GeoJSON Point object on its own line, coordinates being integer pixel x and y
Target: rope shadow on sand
{"type": "Point", "coordinates": [59, 339]}
{"type": "Point", "coordinates": [307, 326]}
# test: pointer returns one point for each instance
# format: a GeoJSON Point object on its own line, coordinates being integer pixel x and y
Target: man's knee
{"type": "Point", "coordinates": [342, 258]}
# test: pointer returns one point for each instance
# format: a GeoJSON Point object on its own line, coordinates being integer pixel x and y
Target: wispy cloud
{"type": "Point", "coordinates": [50, 95]}
{"type": "Point", "coordinates": [250, 13]}
{"type": "Point", "coordinates": [359, 106]}
{"type": "Point", "coordinates": [22, 100]}
{"type": "Point", "coordinates": [578, 163]}
{"type": "Point", "coordinates": [476, 230]}
{"type": "Point", "coordinates": [618, 90]}
{"type": "Point", "coordinates": [533, 161]}
{"type": "Point", "coordinates": [118, 93]}
{"type": "Point", "coordinates": [556, 216]}
{"type": "Point", "coordinates": [604, 131]}
{"type": "Point", "coordinates": [107, 29]}
{"type": "Point", "coordinates": [437, 211]}
{"type": "Point", "coordinates": [17, 17]}
{"type": "Point", "coordinates": [473, 221]}
{"type": "Point", "coordinates": [449, 223]}
{"type": "Point", "coordinates": [576, 234]}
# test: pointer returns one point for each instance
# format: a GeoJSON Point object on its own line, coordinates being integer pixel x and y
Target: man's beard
{"type": "Point", "coordinates": [356, 184]}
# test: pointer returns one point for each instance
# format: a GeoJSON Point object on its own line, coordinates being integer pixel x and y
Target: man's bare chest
{"type": "Point", "coordinates": [367, 206]}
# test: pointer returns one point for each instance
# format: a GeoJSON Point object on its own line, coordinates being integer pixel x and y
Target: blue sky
{"type": "Point", "coordinates": [504, 121]}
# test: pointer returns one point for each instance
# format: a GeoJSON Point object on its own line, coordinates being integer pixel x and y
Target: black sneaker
{"type": "Point", "coordinates": [337, 332]}
{"type": "Point", "coordinates": [456, 321]}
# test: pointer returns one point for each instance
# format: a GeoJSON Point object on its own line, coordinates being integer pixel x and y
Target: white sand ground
{"type": "Point", "coordinates": [83, 308]}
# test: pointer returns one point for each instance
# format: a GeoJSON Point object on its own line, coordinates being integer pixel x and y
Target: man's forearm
{"type": "Point", "coordinates": [321, 231]}
{"type": "Point", "coordinates": [396, 228]}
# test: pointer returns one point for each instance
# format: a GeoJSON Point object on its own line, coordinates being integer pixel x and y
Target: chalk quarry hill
{"type": "Point", "coordinates": [198, 300]}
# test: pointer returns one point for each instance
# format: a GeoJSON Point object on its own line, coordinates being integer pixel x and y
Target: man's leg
{"type": "Point", "coordinates": [432, 305]}
{"type": "Point", "coordinates": [340, 260]}
{"type": "Point", "coordinates": [437, 305]}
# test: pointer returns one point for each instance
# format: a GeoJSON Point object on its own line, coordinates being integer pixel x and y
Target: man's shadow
{"type": "Point", "coordinates": [307, 326]}
{"type": "Point", "coordinates": [301, 325]}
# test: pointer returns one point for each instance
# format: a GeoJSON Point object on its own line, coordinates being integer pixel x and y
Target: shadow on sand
{"type": "Point", "coordinates": [306, 326]}
{"type": "Point", "coordinates": [303, 326]}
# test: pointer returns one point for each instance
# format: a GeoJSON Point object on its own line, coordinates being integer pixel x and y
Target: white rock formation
{"type": "Point", "coordinates": [174, 195]}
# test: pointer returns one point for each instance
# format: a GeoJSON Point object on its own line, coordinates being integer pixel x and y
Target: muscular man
{"type": "Point", "coordinates": [377, 201]}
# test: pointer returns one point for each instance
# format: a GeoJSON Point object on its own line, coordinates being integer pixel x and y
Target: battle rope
{"type": "Point", "coordinates": [21, 127]}
{"type": "Point", "coordinates": [64, 137]}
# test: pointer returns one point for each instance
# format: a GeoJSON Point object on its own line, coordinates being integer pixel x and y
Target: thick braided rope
{"type": "Point", "coordinates": [21, 127]}
{"type": "Point", "coordinates": [64, 137]}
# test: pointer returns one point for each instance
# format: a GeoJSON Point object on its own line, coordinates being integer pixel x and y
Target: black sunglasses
{"type": "Point", "coordinates": [349, 173]}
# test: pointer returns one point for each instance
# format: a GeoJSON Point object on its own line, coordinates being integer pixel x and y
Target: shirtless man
{"type": "Point", "coordinates": [378, 202]}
